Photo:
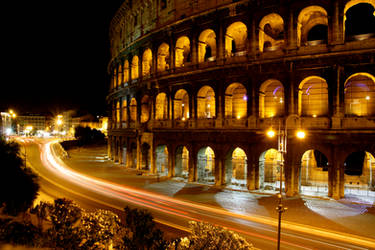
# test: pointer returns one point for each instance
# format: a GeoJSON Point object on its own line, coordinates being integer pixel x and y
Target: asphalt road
{"type": "Point", "coordinates": [57, 180]}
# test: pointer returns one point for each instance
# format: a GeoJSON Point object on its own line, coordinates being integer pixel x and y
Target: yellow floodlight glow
{"type": "Point", "coordinates": [271, 133]}
{"type": "Point", "coordinates": [301, 134]}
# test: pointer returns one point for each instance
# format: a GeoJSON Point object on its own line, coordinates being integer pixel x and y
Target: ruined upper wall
{"type": "Point", "coordinates": [136, 18]}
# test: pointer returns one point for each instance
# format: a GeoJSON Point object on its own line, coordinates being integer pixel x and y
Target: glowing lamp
{"type": "Point", "coordinates": [301, 134]}
{"type": "Point", "coordinates": [271, 133]}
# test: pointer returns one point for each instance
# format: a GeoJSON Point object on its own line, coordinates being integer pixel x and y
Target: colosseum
{"type": "Point", "coordinates": [208, 91]}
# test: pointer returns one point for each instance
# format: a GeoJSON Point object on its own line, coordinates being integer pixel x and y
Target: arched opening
{"type": "Point", "coordinates": [126, 71]}
{"type": "Point", "coordinates": [146, 157]}
{"type": "Point", "coordinates": [133, 156]}
{"type": "Point", "coordinates": [135, 67]}
{"type": "Point", "coordinates": [181, 105]}
{"type": "Point", "coordinates": [359, 95]}
{"type": "Point", "coordinates": [146, 62]}
{"type": "Point", "coordinates": [236, 168]}
{"type": "Point", "coordinates": [163, 57]}
{"type": "Point", "coordinates": [235, 39]}
{"type": "Point", "coordinates": [119, 75]}
{"type": "Point", "coordinates": [182, 162]}
{"type": "Point", "coordinates": [271, 99]}
{"type": "Point", "coordinates": [312, 24]}
{"type": "Point", "coordinates": [133, 109]}
{"type": "Point", "coordinates": [161, 107]}
{"type": "Point", "coordinates": [115, 78]}
{"type": "Point", "coordinates": [118, 112]}
{"type": "Point", "coordinates": [182, 51]}
{"type": "Point", "coordinates": [161, 153]}
{"type": "Point", "coordinates": [207, 46]}
{"type": "Point", "coordinates": [313, 97]}
{"type": "Point", "coordinates": [206, 103]}
{"type": "Point", "coordinates": [359, 20]}
{"type": "Point", "coordinates": [236, 101]}
{"type": "Point", "coordinates": [206, 166]}
{"type": "Point", "coordinates": [145, 109]}
{"type": "Point", "coordinates": [124, 111]}
{"type": "Point", "coordinates": [359, 174]}
{"type": "Point", "coordinates": [269, 170]}
{"type": "Point", "coordinates": [271, 33]}
{"type": "Point", "coordinates": [314, 173]}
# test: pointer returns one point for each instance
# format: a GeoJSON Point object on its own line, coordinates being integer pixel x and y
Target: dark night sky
{"type": "Point", "coordinates": [54, 54]}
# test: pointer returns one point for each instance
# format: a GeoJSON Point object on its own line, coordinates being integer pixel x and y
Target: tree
{"type": "Point", "coordinates": [86, 135]}
{"type": "Point", "coordinates": [141, 231]}
{"type": "Point", "coordinates": [210, 237]}
{"type": "Point", "coordinates": [18, 184]}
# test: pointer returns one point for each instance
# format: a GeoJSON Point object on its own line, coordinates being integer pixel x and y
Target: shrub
{"type": "Point", "coordinates": [207, 236]}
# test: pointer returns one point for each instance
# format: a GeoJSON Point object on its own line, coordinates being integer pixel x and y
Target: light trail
{"type": "Point", "coordinates": [183, 209]}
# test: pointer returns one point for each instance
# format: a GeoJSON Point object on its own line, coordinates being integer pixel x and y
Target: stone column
{"type": "Point", "coordinates": [171, 161]}
{"type": "Point", "coordinates": [337, 174]}
{"type": "Point", "coordinates": [139, 153]}
{"type": "Point", "coordinates": [253, 44]}
{"type": "Point", "coordinates": [109, 147]}
{"type": "Point", "coordinates": [192, 165]}
{"type": "Point", "coordinates": [291, 31]}
{"type": "Point", "coordinates": [251, 175]}
{"type": "Point", "coordinates": [220, 44]}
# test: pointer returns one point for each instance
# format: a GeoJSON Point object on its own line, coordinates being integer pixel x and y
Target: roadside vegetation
{"type": "Point", "coordinates": [65, 225]}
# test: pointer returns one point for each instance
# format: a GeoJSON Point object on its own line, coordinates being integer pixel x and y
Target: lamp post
{"type": "Point", "coordinates": [282, 150]}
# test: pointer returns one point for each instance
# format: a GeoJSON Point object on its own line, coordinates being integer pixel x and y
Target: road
{"type": "Point", "coordinates": [58, 180]}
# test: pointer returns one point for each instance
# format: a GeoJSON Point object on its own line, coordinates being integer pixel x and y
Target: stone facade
{"type": "Point", "coordinates": [196, 84]}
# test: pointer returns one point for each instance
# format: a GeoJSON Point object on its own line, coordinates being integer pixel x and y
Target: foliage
{"type": "Point", "coordinates": [207, 236]}
{"type": "Point", "coordinates": [141, 231]}
{"type": "Point", "coordinates": [19, 233]}
{"type": "Point", "coordinates": [86, 135]}
{"type": "Point", "coordinates": [18, 184]}
{"type": "Point", "coordinates": [99, 228]}
{"type": "Point", "coordinates": [65, 216]}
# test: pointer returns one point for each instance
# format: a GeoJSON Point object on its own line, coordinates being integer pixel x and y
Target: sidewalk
{"type": "Point", "coordinates": [343, 215]}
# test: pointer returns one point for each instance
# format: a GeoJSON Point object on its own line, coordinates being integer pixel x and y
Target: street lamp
{"type": "Point", "coordinates": [282, 149]}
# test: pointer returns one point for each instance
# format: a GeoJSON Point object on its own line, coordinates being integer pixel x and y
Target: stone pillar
{"type": "Point", "coordinates": [253, 45]}
{"type": "Point", "coordinates": [220, 44]}
{"type": "Point", "coordinates": [139, 152]}
{"type": "Point", "coordinates": [171, 52]}
{"type": "Point", "coordinates": [119, 149]}
{"type": "Point", "coordinates": [219, 169]}
{"type": "Point", "coordinates": [109, 147]}
{"type": "Point", "coordinates": [153, 159]}
{"type": "Point", "coordinates": [194, 49]}
{"type": "Point", "coordinates": [291, 31]}
{"type": "Point", "coordinates": [337, 24]}
{"type": "Point", "coordinates": [192, 165]}
{"type": "Point", "coordinates": [289, 96]}
{"type": "Point", "coordinates": [251, 175]}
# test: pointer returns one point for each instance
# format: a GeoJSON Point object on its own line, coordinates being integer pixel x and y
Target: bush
{"type": "Point", "coordinates": [19, 233]}
{"type": "Point", "coordinates": [18, 184]}
{"type": "Point", "coordinates": [207, 236]}
{"type": "Point", "coordinates": [141, 231]}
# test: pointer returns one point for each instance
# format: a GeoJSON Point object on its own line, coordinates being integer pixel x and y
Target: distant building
{"type": "Point", "coordinates": [5, 122]}
{"type": "Point", "coordinates": [38, 122]}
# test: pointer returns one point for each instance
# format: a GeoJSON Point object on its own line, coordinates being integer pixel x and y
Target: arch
{"type": "Point", "coordinates": [124, 110]}
{"type": "Point", "coordinates": [181, 105]}
{"type": "Point", "coordinates": [206, 105]}
{"type": "Point", "coordinates": [133, 109]}
{"type": "Point", "coordinates": [182, 162]}
{"type": "Point", "coordinates": [313, 178]}
{"type": "Point", "coordinates": [126, 71]}
{"type": "Point", "coordinates": [236, 168]}
{"type": "Point", "coordinates": [135, 68]}
{"type": "Point", "coordinates": [235, 39]}
{"type": "Point", "coordinates": [269, 170]}
{"type": "Point", "coordinates": [271, 32]}
{"type": "Point", "coordinates": [206, 165]}
{"type": "Point", "coordinates": [359, 19]}
{"type": "Point", "coordinates": [182, 51]}
{"type": "Point", "coordinates": [145, 109]}
{"type": "Point", "coordinates": [309, 18]}
{"type": "Point", "coordinates": [359, 174]}
{"type": "Point", "coordinates": [163, 57]}
{"type": "Point", "coordinates": [161, 107]}
{"type": "Point", "coordinates": [359, 95]}
{"type": "Point", "coordinates": [145, 156]}
{"type": "Point", "coordinates": [207, 46]}
{"type": "Point", "coordinates": [313, 97]}
{"type": "Point", "coordinates": [161, 153]}
{"type": "Point", "coordinates": [271, 99]}
{"type": "Point", "coordinates": [236, 101]}
{"type": "Point", "coordinates": [146, 62]}
{"type": "Point", "coordinates": [119, 75]}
